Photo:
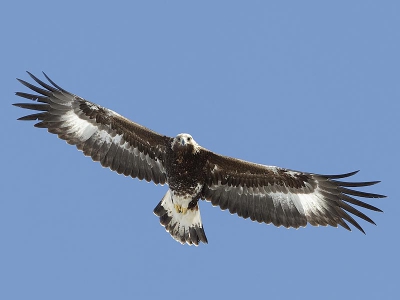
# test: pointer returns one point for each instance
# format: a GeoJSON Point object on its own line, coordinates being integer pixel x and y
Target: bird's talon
{"type": "Point", "coordinates": [179, 209]}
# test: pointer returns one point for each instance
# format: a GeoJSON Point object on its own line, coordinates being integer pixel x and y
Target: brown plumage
{"type": "Point", "coordinates": [262, 193]}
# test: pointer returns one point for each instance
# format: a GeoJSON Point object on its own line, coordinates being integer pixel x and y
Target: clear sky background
{"type": "Point", "coordinates": [306, 85]}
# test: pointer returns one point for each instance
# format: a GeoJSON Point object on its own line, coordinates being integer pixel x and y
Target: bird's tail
{"type": "Point", "coordinates": [185, 226]}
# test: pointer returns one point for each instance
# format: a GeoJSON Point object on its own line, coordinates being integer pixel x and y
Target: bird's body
{"type": "Point", "coordinates": [186, 172]}
{"type": "Point", "coordinates": [265, 194]}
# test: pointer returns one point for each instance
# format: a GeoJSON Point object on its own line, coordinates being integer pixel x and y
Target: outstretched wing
{"type": "Point", "coordinates": [116, 142]}
{"type": "Point", "coordinates": [283, 197]}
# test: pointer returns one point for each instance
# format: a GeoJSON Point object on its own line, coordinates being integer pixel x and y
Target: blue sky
{"type": "Point", "coordinates": [306, 85]}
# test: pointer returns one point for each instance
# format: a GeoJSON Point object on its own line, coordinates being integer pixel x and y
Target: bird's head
{"type": "Point", "coordinates": [185, 140]}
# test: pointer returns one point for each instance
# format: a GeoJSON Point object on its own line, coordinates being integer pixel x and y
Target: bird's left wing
{"type": "Point", "coordinates": [116, 142]}
{"type": "Point", "coordinates": [283, 197]}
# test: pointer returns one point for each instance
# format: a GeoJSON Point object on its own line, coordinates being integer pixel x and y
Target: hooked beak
{"type": "Point", "coordinates": [183, 142]}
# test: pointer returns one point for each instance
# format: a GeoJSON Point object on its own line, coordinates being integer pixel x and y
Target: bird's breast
{"type": "Point", "coordinates": [185, 173]}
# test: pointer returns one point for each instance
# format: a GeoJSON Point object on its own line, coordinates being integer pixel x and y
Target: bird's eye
{"type": "Point", "coordinates": [189, 138]}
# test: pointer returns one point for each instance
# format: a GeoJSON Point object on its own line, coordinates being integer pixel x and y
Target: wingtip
{"type": "Point", "coordinates": [359, 228]}
{"type": "Point", "coordinates": [47, 77]}
{"type": "Point", "coordinates": [54, 84]}
{"type": "Point", "coordinates": [339, 176]}
{"type": "Point", "coordinates": [32, 76]}
{"type": "Point", "coordinates": [378, 196]}
{"type": "Point", "coordinates": [352, 173]}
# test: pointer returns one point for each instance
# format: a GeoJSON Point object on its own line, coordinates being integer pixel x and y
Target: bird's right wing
{"type": "Point", "coordinates": [116, 142]}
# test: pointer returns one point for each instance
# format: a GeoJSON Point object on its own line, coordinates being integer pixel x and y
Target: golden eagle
{"type": "Point", "coordinates": [266, 194]}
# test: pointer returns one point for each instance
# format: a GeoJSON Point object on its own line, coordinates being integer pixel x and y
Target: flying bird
{"type": "Point", "coordinates": [266, 194]}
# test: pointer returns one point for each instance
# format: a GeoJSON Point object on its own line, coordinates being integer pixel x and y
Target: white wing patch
{"type": "Point", "coordinates": [78, 126]}
{"type": "Point", "coordinates": [291, 200]}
